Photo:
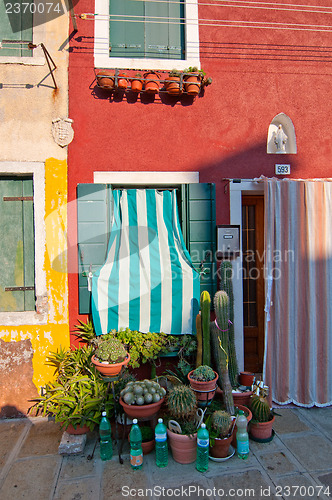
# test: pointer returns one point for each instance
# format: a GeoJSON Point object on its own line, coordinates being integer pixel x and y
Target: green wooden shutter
{"type": "Point", "coordinates": [17, 24]}
{"type": "Point", "coordinates": [198, 214]}
{"type": "Point", "coordinates": [17, 245]}
{"type": "Point", "coordinates": [94, 211]}
{"type": "Point", "coordinates": [135, 32]}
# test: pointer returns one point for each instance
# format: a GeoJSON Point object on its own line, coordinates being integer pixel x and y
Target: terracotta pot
{"type": "Point", "coordinates": [143, 411]}
{"type": "Point", "coordinates": [104, 80]}
{"type": "Point", "coordinates": [198, 386]}
{"type": "Point", "coordinates": [79, 430]}
{"type": "Point", "coordinates": [136, 85]}
{"type": "Point", "coordinates": [221, 447]}
{"type": "Point", "coordinates": [242, 398]}
{"type": "Point", "coordinates": [183, 447]}
{"type": "Point", "coordinates": [172, 85]}
{"type": "Point", "coordinates": [151, 86]}
{"type": "Point", "coordinates": [147, 446]}
{"type": "Point", "coordinates": [249, 417]}
{"type": "Point", "coordinates": [122, 81]}
{"type": "Point", "coordinates": [110, 369]}
{"type": "Point", "coordinates": [192, 84]}
{"type": "Point", "coordinates": [261, 430]}
{"type": "Point", "coordinates": [246, 378]}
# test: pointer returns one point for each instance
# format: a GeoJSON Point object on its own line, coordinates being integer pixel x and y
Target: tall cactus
{"type": "Point", "coordinates": [219, 339]}
{"type": "Point", "coordinates": [226, 285]}
{"type": "Point", "coordinates": [205, 315]}
{"type": "Point", "coordinates": [199, 354]}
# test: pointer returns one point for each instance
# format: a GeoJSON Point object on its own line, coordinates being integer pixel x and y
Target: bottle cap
{"type": "Point", "coordinates": [135, 421]}
{"type": "Point", "coordinates": [241, 412]}
{"type": "Point", "coordinates": [203, 426]}
{"type": "Point", "coordinates": [160, 420]}
{"type": "Point", "coordinates": [104, 414]}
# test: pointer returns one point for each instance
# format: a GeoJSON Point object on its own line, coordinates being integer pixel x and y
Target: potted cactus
{"type": "Point", "coordinates": [262, 419]}
{"type": "Point", "coordinates": [142, 399]}
{"type": "Point", "coordinates": [203, 381]}
{"type": "Point", "coordinates": [182, 407]}
{"type": "Point", "coordinates": [173, 82]}
{"type": "Point", "coordinates": [110, 356]}
{"type": "Point", "coordinates": [220, 426]}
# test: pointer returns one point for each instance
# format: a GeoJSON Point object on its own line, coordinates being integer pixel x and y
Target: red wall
{"type": "Point", "coordinates": [257, 73]}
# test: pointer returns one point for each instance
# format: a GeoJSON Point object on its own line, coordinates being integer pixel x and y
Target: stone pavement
{"type": "Point", "coordinates": [297, 464]}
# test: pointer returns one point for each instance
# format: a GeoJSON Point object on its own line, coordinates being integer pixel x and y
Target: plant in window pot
{"type": "Point", "coordinates": [182, 424]}
{"type": "Point", "coordinates": [151, 82]}
{"type": "Point", "coordinates": [137, 83]}
{"type": "Point", "coordinates": [122, 81]}
{"type": "Point", "coordinates": [142, 399]}
{"type": "Point", "coordinates": [193, 78]}
{"type": "Point", "coordinates": [173, 82]}
{"type": "Point", "coordinates": [260, 428]}
{"type": "Point", "coordinates": [203, 380]}
{"type": "Point", "coordinates": [110, 356]}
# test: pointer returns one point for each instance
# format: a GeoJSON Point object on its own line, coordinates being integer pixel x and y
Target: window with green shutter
{"type": "Point", "coordinates": [17, 277]}
{"type": "Point", "coordinates": [16, 23]}
{"type": "Point", "coordinates": [147, 29]}
{"type": "Point", "coordinates": [94, 214]}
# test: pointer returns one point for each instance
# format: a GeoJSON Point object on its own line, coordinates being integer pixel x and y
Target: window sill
{"type": "Point", "coordinates": [26, 61]}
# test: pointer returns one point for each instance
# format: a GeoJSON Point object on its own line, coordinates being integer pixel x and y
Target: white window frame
{"type": "Point", "coordinates": [101, 45]}
{"type": "Point", "coordinates": [38, 36]}
{"type": "Point", "coordinates": [37, 170]}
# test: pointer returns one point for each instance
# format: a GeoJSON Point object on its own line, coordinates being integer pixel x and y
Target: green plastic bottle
{"type": "Point", "coordinates": [161, 444]}
{"type": "Point", "coordinates": [106, 448]}
{"type": "Point", "coordinates": [242, 437]}
{"type": "Point", "coordinates": [136, 452]}
{"type": "Point", "coordinates": [202, 457]}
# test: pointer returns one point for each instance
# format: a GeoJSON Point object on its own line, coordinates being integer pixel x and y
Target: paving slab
{"type": "Point", "coordinates": [321, 417]}
{"type": "Point", "coordinates": [274, 445]}
{"type": "Point", "coordinates": [31, 479]}
{"type": "Point", "coordinates": [118, 480]}
{"type": "Point", "coordinates": [83, 489]}
{"type": "Point", "coordinates": [288, 421]}
{"type": "Point", "coordinates": [249, 484]}
{"type": "Point", "coordinates": [10, 432]}
{"type": "Point", "coordinates": [278, 463]}
{"type": "Point", "coordinates": [297, 487]}
{"type": "Point", "coordinates": [43, 439]}
{"type": "Point", "coordinates": [313, 451]}
{"type": "Point", "coordinates": [77, 466]}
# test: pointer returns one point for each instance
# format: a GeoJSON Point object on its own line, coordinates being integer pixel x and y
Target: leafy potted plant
{"type": "Point", "coordinates": [142, 399]}
{"type": "Point", "coordinates": [193, 79]}
{"type": "Point", "coordinates": [182, 428]}
{"type": "Point", "coordinates": [78, 396]}
{"type": "Point", "coordinates": [262, 419]}
{"type": "Point", "coordinates": [137, 83]}
{"type": "Point", "coordinates": [110, 356]}
{"type": "Point", "coordinates": [151, 82]}
{"type": "Point", "coordinates": [173, 82]}
{"type": "Point", "coordinates": [203, 380]}
{"type": "Point", "coordinates": [220, 425]}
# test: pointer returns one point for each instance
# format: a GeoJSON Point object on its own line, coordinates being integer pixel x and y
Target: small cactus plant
{"type": "Point", "coordinates": [203, 373]}
{"type": "Point", "coordinates": [260, 408]}
{"type": "Point", "coordinates": [111, 351]}
{"type": "Point", "coordinates": [221, 422]}
{"type": "Point", "coordinates": [181, 402]}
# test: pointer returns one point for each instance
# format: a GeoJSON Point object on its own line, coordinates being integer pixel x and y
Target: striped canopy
{"type": "Point", "coordinates": [148, 282]}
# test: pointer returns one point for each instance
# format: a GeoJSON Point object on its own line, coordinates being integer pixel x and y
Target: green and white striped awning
{"type": "Point", "coordinates": [148, 282]}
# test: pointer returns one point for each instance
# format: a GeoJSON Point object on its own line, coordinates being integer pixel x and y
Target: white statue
{"type": "Point", "coordinates": [280, 139]}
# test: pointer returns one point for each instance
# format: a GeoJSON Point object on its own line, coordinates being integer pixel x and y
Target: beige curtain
{"type": "Point", "coordinates": [298, 309]}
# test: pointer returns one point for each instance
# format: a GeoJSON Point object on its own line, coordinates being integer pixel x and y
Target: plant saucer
{"type": "Point", "coordinates": [231, 452]}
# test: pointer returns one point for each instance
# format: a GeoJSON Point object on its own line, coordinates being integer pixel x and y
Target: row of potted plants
{"type": "Point", "coordinates": [189, 81]}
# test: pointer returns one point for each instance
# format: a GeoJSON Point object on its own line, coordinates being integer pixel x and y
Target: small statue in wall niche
{"type": "Point", "coordinates": [280, 139]}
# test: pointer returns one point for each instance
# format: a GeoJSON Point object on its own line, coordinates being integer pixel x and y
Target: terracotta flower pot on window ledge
{"type": "Point", "coordinates": [151, 82]}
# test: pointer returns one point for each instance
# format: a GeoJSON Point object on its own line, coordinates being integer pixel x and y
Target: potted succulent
{"type": "Point", "coordinates": [137, 83]}
{"type": "Point", "coordinates": [203, 380]}
{"type": "Point", "coordinates": [262, 419]}
{"type": "Point", "coordinates": [151, 82]}
{"type": "Point", "coordinates": [220, 426]}
{"type": "Point", "coordinates": [193, 79]}
{"type": "Point", "coordinates": [182, 428]}
{"type": "Point", "coordinates": [110, 356]}
{"type": "Point", "coordinates": [78, 396]}
{"type": "Point", "coordinates": [173, 82]}
{"type": "Point", "coordinates": [142, 399]}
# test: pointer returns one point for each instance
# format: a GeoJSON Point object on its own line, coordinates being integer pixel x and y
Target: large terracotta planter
{"type": "Point", "coordinates": [106, 79]}
{"type": "Point", "coordinates": [143, 411]}
{"type": "Point", "coordinates": [79, 430]}
{"type": "Point", "coordinates": [151, 82]}
{"type": "Point", "coordinates": [221, 447]}
{"type": "Point", "coordinates": [261, 430]}
{"type": "Point", "coordinates": [199, 386]}
{"type": "Point", "coordinates": [110, 369]}
{"type": "Point", "coordinates": [192, 84]}
{"type": "Point", "coordinates": [183, 447]}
